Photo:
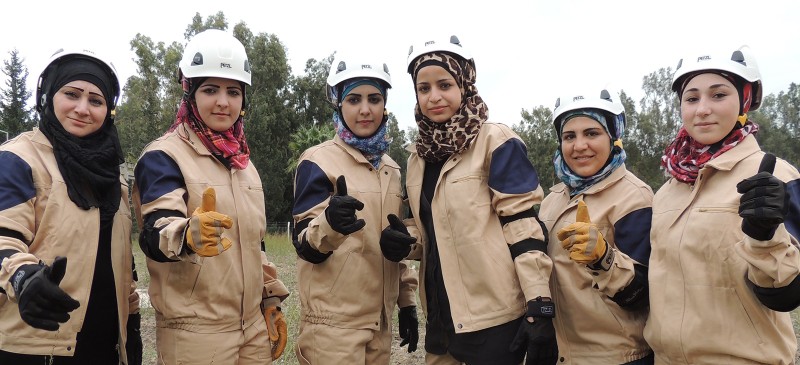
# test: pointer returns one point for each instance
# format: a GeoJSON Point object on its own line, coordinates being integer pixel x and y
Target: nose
{"type": "Point", "coordinates": [223, 101]}
{"type": "Point", "coordinates": [364, 109]}
{"type": "Point", "coordinates": [82, 107]}
{"type": "Point", "coordinates": [436, 95]}
{"type": "Point", "coordinates": [703, 109]}
{"type": "Point", "coordinates": [581, 143]}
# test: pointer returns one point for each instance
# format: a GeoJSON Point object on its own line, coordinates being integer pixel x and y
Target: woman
{"type": "Point", "coordinates": [62, 199]}
{"type": "Point", "coordinates": [348, 291]}
{"type": "Point", "coordinates": [473, 192]}
{"type": "Point", "coordinates": [724, 267]}
{"type": "Point", "coordinates": [600, 214]}
{"type": "Point", "coordinates": [200, 204]}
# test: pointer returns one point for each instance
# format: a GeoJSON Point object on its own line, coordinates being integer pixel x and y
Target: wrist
{"type": "Point", "coordinates": [21, 276]}
{"type": "Point", "coordinates": [605, 261]}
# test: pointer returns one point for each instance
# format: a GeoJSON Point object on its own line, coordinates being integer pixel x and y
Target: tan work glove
{"type": "Point", "coordinates": [204, 233]}
{"type": "Point", "coordinates": [276, 326]}
{"type": "Point", "coordinates": [584, 242]}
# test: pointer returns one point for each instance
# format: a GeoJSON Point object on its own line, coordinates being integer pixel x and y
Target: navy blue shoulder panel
{"type": "Point", "coordinates": [16, 181]}
{"type": "Point", "coordinates": [312, 187]}
{"type": "Point", "coordinates": [157, 174]}
{"type": "Point", "coordinates": [632, 234]}
{"type": "Point", "coordinates": [510, 171]}
{"type": "Point", "coordinates": [792, 221]}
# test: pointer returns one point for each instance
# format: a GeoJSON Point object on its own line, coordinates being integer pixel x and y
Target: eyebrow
{"type": "Point", "coordinates": [83, 91]}
{"type": "Point", "coordinates": [715, 86]}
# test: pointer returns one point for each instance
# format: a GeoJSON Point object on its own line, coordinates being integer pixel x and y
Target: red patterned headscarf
{"type": "Point", "coordinates": [231, 144]}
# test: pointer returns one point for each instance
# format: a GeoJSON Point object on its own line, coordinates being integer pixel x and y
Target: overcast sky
{"type": "Point", "coordinates": [527, 52]}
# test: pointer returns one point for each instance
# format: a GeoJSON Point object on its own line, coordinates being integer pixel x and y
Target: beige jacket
{"type": "Point", "coordinates": [702, 310]}
{"type": "Point", "coordinates": [54, 226]}
{"type": "Point", "coordinates": [204, 294]}
{"type": "Point", "coordinates": [355, 287]}
{"type": "Point", "coordinates": [620, 207]}
{"type": "Point", "coordinates": [485, 286]}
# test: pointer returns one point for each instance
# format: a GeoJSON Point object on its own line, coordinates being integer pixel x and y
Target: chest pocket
{"type": "Point", "coordinates": [708, 241]}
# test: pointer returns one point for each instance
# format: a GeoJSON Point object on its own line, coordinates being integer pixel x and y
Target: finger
{"type": "Point", "coordinates": [583, 213]}
{"type": "Point", "coordinates": [341, 186]}
{"type": "Point", "coordinates": [209, 203]}
{"type": "Point", "coordinates": [396, 223]}
{"type": "Point", "coordinates": [357, 225]}
{"type": "Point", "coordinates": [57, 270]}
{"type": "Point", "coordinates": [767, 163]}
{"type": "Point", "coordinates": [351, 202]}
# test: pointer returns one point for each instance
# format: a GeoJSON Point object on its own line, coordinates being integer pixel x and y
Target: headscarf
{"type": "Point", "coordinates": [372, 147]}
{"type": "Point", "coordinates": [89, 164]}
{"type": "Point", "coordinates": [230, 145]}
{"type": "Point", "coordinates": [438, 141]}
{"type": "Point", "coordinates": [684, 157]}
{"type": "Point", "coordinates": [578, 184]}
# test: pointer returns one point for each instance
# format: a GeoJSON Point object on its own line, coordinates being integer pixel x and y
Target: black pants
{"type": "Point", "coordinates": [485, 347]}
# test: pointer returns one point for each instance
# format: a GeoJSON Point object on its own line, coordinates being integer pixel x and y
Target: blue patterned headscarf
{"type": "Point", "coordinates": [373, 147]}
{"type": "Point", "coordinates": [578, 184]}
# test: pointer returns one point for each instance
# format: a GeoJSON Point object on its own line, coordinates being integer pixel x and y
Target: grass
{"type": "Point", "coordinates": [281, 252]}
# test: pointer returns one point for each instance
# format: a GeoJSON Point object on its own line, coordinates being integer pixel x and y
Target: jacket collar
{"type": "Point", "coordinates": [729, 159]}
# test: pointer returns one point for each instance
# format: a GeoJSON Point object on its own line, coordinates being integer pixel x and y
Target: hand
{"type": "Point", "coordinates": [395, 241]}
{"type": "Point", "coordinates": [276, 326]}
{"type": "Point", "coordinates": [133, 345]}
{"type": "Point", "coordinates": [409, 327]}
{"type": "Point", "coordinates": [42, 304]}
{"type": "Point", "coordinates": [204, 233]}
{"type": "Point", "coordinates": [341, 210]}
{"type": "Point", "coordinates": [764, 203]}
{"type": "Point", "coordinates": [537, 332]}
{"type": "Point", "coordinates": [584, 242]}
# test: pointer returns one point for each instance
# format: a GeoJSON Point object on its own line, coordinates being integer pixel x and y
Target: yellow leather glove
{"type": "Point", "coordinates": [204, 233]}
{"type": "Point", "coordinates": [276, 326]}
{"type": "Point", "coordinates": [584, 242]}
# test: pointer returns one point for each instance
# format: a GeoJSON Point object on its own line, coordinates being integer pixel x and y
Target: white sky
{"type": "Point", "coordinates": [527, 52]}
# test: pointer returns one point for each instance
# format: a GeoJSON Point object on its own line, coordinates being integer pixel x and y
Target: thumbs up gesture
{"type": "Point", "coordinates": [42, 303]}
{"type": "Point", "coordinates": [204, 233]}
{"type": "Point", "coordinates": [764, 202]}
{"type": "Point", "coordinates": [341, 210]}
{"type": "Point", "coordinates": [584, 242]}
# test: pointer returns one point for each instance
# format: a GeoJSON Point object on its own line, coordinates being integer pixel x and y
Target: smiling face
{"type": "Point", "coordinates": [80, 107]}
{"type": "Point", "coordinates": [585, 145]}
{"type": "Point", "coordinates": [219, 102]}
{"type": "Point", "coordinates": [709, 108]}
{"type": "Point", "coordinates": [362, 110]}
{"type": "Point", "coordinates": [438, 94]}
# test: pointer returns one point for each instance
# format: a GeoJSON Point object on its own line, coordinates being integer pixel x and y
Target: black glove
{"type": "Point", "coordinates": [308, 253]}
{"type": "Point", "coordinates": [540, 336]}
{"type": "Point", "coordinates": [764, 203]}
{"type": "Point", "coordinates": [395, 240]}
{"type": "Point", "coordinates": [42, 304]}
{"type": "Point", "coordinates": [341, 210]}
{"type": "Point", "coordinates": [133, 347]}
{"type": "Point", "coordinates": [409, 327]}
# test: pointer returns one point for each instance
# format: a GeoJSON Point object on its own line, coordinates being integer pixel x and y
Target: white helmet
{"type": "Point", "coordinates": [215, 53]}
{"type": "Point", "coordinates": [345, 68]}
{"type": "Point", "coordinates": [740, 62]}
{"type": "Point", "coordinates": [611, 107]}
{"type": "Point", "coordinates": [452, 45]}
{"type": "Point", "coordinates": [69, 54]}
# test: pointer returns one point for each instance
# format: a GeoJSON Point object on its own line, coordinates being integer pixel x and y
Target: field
{"type": "Point", "coordinates": [281, 252]}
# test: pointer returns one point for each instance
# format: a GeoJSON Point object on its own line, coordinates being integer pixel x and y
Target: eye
{"type": "Point", "coordinates": [234, 92]}
{"type": "Point", "coordinates": [375, 99]}
{"type": "Point", "coordinates": [423, 88]}
{"type": "Point", "coordinates": [445, 85]}
{"type": "Point", "coordinates": [97, 101]}
{"type": "Point", "coordinates": [71, 94]}
{"type": "Point", "coordinates": [353, 99]}
{"type": "Point", "coordinates": [568, 137]}
{"type": "Point", "coordinates": [592, 133]}
{"type": "Point", "coordinates": [719, 95]}
{"type": "Point", "coordinates": [690, 99]}
{"type": "Point", "coordinates": [209, 90]}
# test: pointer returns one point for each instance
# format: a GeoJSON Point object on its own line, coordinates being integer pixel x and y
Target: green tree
{"type": "Point", "coordinates": [536, 130]}
{"type": "Point", "coordinates": [15, 116]}
{"type": "Point", "coordinates": [397, 149]}
{"type": "Point", "coordinates": [305, 137]}
{"type": "Point", "coordinates": [309, 98]}
{"type": "Point", "coordinates": [779, 124]}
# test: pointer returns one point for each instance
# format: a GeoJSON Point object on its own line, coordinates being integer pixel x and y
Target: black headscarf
{"type": "Point", "coordinates": [90, 164]}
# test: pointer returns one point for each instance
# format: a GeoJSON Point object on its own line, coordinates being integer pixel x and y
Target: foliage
{"type": "Point", "coordinates": [15, 116]}
{"type": "Point", "coordinates": [536, 130]}
{"type": "Point", "coordinates": [307, 136]}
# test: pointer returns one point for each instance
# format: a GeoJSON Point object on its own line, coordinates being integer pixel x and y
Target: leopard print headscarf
{"type": "Point", "coordinates": [438, 141]}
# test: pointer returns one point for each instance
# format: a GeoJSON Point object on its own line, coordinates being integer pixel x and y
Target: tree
{"type": "Point", "coordinates": [15, 116]}
{"type": "Point", "coordinates": [309, 98]}
{"type": "Point", "coordinates": [536, 130]}
{"type": "Point", "coordinates": [304, 138]}
{"type": "Point", "coordinates": [397, 149]}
